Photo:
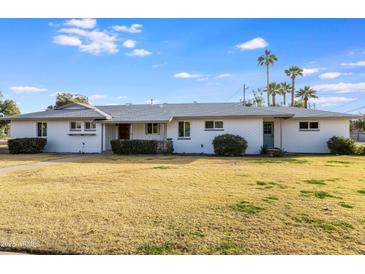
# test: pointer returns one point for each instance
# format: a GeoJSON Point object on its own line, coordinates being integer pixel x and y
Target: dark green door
{"type": "Point", "coordinates": [269, 134]}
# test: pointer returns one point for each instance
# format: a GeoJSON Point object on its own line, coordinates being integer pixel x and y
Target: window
{"type": "Point", "coordinates": [90, 126]}
{"type": "Point", "coordinates": [309, 126]}
{"type": "Point", "coordinates": [268, 127]}
{"type": "Point", "coordinates": [42, 129]}
{"type": "Point", "coordinates": [184, 129]}
{"type": "Point", "coordinates": [75, 126]}
{"type": "Point", "coordinates": [213, 125]}
{"type": "Point", "coordinates": [153, 128]}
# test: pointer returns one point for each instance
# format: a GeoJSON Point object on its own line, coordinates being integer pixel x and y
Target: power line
{"type": "Point", "coordinates": [235, 93]}
{"type": "Point", "coordinates": [355, 109]}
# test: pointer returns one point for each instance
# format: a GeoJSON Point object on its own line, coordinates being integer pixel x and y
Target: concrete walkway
{"type": "Point", "coordinates": [11, 169]}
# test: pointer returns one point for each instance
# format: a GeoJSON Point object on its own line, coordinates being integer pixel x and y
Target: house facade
{"type": "Point", "coordinates": [191, 127]}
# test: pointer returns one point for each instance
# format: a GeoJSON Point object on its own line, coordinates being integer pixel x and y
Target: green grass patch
{"type": "Point", "coordinates": [339, 162]}
{"type": "Point", "coordinates": [343, 204]}
{"type": "Point", "coordinates": [229, 248]}
{"type": "Point", "coordinates": [246, 207]}
{"type": "Point", "coordinates": [261, 183]}
{"type": "Point", "coordinates": [163, 167]}
{"type": "Point", "coordinates": [279, 161]}
{"type": "Point", "coordinates": [149, 249]}
{"type": "Point", "coordinates": [323, 194]}
{"type": "Point", "coordinates": [315, 182]}
{"type": "Point", "coordinates": [269, 199]}
{"type": "Point", "coordinates": [323, 224]}
{"type": "Point", "coordinates": [362, 191]}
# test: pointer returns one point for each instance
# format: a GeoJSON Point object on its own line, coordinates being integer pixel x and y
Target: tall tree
{"type": "Point", "coordinates": [7, 108]}
{"type": "Point", "coordinates": [274, 90]}
{"type": "Point", "coordinates": [258, 98]}
{"type": "Point", "coordinates": [284, 88]}
{"type": "Point", "coordinates": [293, 72]}
{"type": "Point", "coordinates": [268, 59]}
{"type": "Point", "coordinates": [307, 93]}
{"type": "Point", "coordinates": [64, 98]}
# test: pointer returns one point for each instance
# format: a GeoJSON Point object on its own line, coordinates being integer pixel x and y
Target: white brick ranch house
{"type": "Point", "coordinates": [192, 127]}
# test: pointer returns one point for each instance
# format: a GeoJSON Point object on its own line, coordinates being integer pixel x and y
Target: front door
{"type": "Point", "coordinates": [123, 130]}
{"type": "Point", "coordinates": [269, 134]}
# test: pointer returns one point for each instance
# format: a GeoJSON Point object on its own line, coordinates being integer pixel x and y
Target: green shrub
{"type": "Point", "coordinates": [229, 145]}
{"type": "Point", "coordinates": [26, 145]}
{"type": "Point", "coordinates": [359, 150]}
{"type": "Point", "coordinates": [341, 145]}
{"type": "Point", "coordinates": [141, 146]}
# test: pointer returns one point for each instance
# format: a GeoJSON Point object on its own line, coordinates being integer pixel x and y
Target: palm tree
{"type": "Point", "coordinates": [274, 90]}
{"type": "Point", "coordinates": [267, 59]}
{"type": "Point", "coordinates": [306, 93]}
{"type": "Point", "coordinates": [284, 88]}
{"type": "Point", "coordinates": [293, 72]}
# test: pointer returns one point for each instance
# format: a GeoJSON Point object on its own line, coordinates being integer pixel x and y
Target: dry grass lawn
{"type": "Point", "coordinates": [187, 205]}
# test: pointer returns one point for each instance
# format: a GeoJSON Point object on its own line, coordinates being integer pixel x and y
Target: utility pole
{"type": "Point", "coordinates": [244, 94]}
{"type": "Point", "coordinates": [151, 101]}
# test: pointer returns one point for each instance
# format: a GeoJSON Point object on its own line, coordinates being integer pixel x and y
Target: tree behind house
{"type": "Point", "coordinates": [64, 98]}
{"type": "Point", "coordinates": [268, 59]}
{"type": "Point", "coordinates": [307, 93]}
{"type": "Point", "coordinates": [7, 108]}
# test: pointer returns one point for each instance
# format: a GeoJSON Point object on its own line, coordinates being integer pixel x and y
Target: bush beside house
{"type": "Point", "coordinates": [229, 145]}
{"type": "Point", "coordinates": [141, 146]}
{"type": "Point", "coordinates": [26, 145]}
{"type": "Point", "coordinates": [344, 146]}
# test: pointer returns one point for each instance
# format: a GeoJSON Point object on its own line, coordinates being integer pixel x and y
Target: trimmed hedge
{"type": "Point", "coordinates": [229, 145]}
{"type": "Point", "coordinates": [141, 146]}
{"type": "Point", "coordinates": [341, 145]}
{"type": "Point", "coordinates": [344, 146]}
{"type": "Point", "coordinates": [26, 145]}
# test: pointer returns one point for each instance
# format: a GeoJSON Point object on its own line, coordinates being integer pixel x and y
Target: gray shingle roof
{"type": "Point", "coordinates": [167, 112]}
{"type": "Point", "coordinates": [59, 114]}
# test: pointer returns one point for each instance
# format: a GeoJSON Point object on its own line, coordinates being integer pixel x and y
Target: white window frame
{"type": "Point", "coordinates": [178, 129]}
{"type": "Point", "coordinates": [91, 128]}
{"type": "Point", "coordinates": [152, 127]}
{"type": "Point", "coordinates": [309, 128]}
{"type": "Point", "coordinates": [214, 128]}
{"type": "Point", "coordinates": [42, 131]}
{"type": "Point", "coordinates": [76, 129]}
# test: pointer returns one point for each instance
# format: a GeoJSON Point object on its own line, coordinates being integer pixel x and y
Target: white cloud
{"type": "Point", "coordinates": [331, 101]}
{"type": "Point", "coordinates": [341, 87]}
{"type": "Point", "coordinates": [309, 71]}
{"type": "Point", "coordinates": [27, 89]}
{"type": "Point", "coordinates": [159, 65]}
{"type": "Point", "coordinates": [186, 75]}
{"type": "Point", "coordinates": [80, 32]}
{"type": "Point", "coordinates": [66, 40]}
{"type": "Point", "coordinates": [97, 97]}
{"type": "Point", "coordinates": [139, 53]}
{"type": "Point", "coordinates": [134, 28]}
{"type": "Point", "coordinates": [81, 23]}
{"type": "Point", "coordinates": [129, 43]}
{"type": "Point", "coordinates": [354, 64]}
{"type": "Point", "coordinates": [256, 43]}
{"type": "Point", "coordinates": [122, 97]}
{"type": "Point", "coordinates": [203, 79]}
{"type": "Point", "coordinates": [333, 75]}
{"type": "Point", "coordinates": [224, 75]}
{"type": "Point", "coordinates": [99, 42]}
{"type": "Point", "coordinates": [93, 42]}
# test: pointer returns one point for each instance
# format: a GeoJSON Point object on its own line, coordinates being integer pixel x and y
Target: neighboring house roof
{"type": "Point", "coordinates": [167, 112]}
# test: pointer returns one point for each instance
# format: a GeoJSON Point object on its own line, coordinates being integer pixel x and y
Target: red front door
{"type": "Point", "coordinates": [123, 130]}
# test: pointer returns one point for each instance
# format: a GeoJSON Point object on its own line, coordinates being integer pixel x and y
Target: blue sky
{"type": "Point", "coordinates": [118, 61]}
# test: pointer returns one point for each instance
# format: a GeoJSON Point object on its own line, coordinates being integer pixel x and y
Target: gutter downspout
{"type": "Point", "coordinates": [102, 138]}
{"type": "Point", "coordinates": [281, 136]}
